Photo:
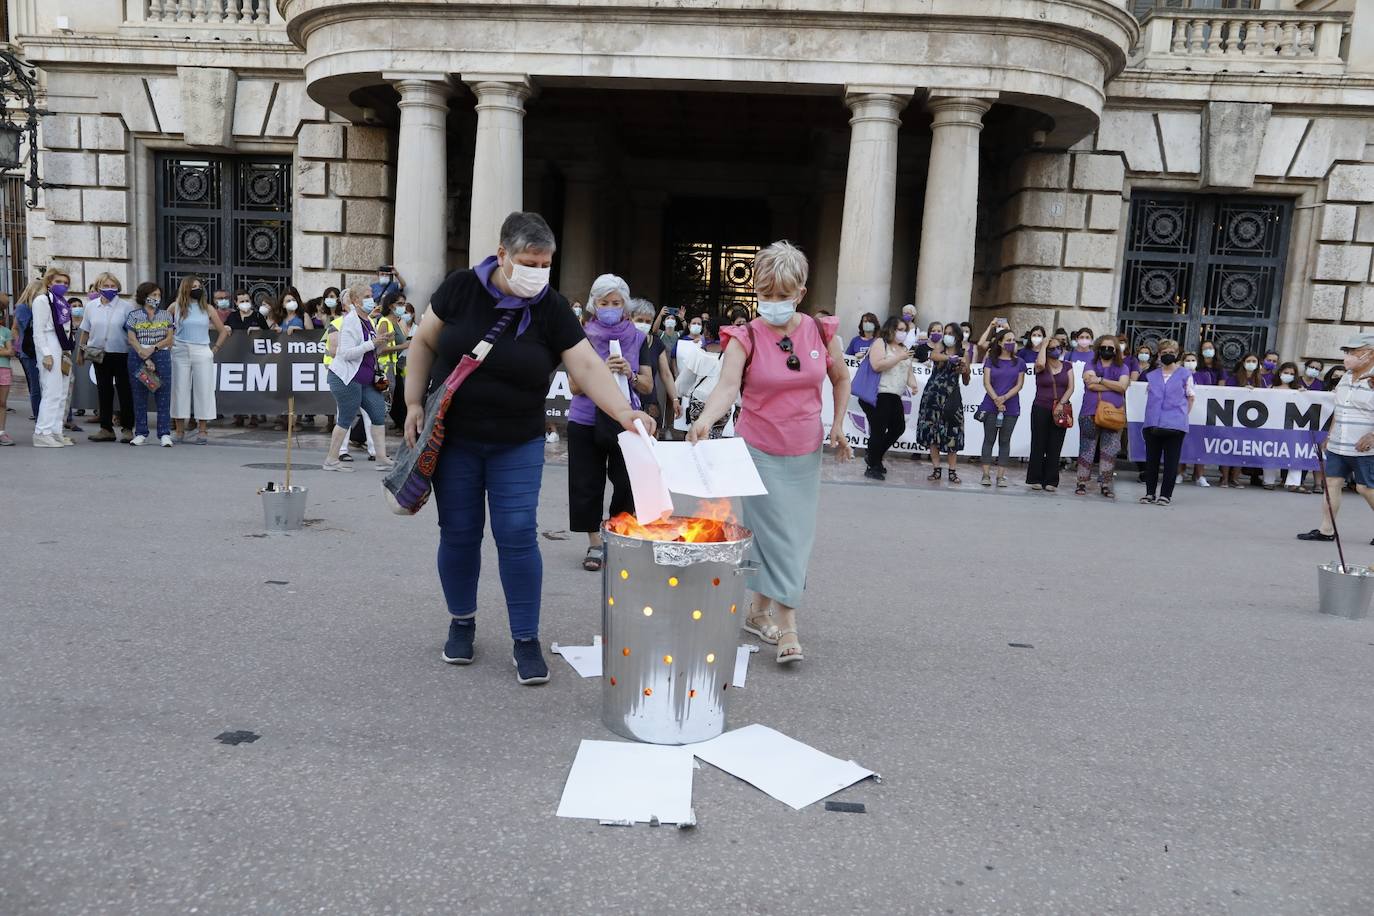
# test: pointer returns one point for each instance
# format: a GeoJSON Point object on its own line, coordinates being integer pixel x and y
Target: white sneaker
{"type": "Point", "coordinates": [166, 441]}
{"type": "Point", "coordinates": [67, 440]}
{"type": "Point", "coordinates": [1202, 482]}
{"type": "Point", "coordinates": [138, 440]}
{"type": "Point", "coordinates": [551, 438]}
{"type": "Point", "coordinates": [336, 466]}
{"type": "Point", "coordinates": [44, 441]}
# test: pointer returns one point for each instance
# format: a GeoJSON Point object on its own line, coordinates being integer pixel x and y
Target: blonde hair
{"type": "Point", "coordinates": [33, 289]}
{"type": "Point", "coordinates": [357, 292]}
{"type": "Point", "coordinates": [1159, 347]}
{"type": "Point", "coordinates": [780, 269]}
{"type": "Point", "coordinates": [184, 295]}
{"type": "Point", "coordinates": [106, 277]}
{"type": "Point", "coordinates": [52, 272]}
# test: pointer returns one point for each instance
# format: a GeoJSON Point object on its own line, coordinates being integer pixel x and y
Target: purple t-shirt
{"type": "Point", "coordinates": [856, 344]}
{"type": "Point", "coordinates": [1105, 372]}
{"type": "Point", "coordinates": [1050, 386]}
{"type": "Point", "coordinates": [1203, 376]}
{"type": "Point", "coordinates": [367, 369]}
{"type": "Point", "coordinates": [1081, 356]}
{"type": "Point", "coordinates": [1314, 384]}
{"type": "Point", "coordinates": [1002, 375]}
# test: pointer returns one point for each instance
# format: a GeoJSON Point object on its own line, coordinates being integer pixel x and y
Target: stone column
{"type": "Point", "coordinates": [944, 272]}
{"type": "Point", "coordinates": [579, 249]}
{"type": "Point", "coordinates": [863, 277]}
{"type": "Point", "coordinates": [499, 157]}
{"type": "Point", "coordinates": [420, 239]}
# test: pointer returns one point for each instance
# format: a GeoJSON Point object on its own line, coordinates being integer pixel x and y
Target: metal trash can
{"type": "Point", "coordinates": [283, 509]}
{"type": "Point", "coordinates": [670, 618]}
{"type": "Point", "coordinates": [1345, 594]}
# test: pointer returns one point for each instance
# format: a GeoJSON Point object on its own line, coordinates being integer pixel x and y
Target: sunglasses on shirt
{"type": "Point", "coordinates": [793, 363]}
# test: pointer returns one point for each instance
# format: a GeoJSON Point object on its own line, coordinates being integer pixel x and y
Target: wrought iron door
{"type": "Point", "coordinates": [1205, 268]}
{"type": "Point", "coordinates": [711, 277]}
{"type": "Point", "coordinates": [226, 219]}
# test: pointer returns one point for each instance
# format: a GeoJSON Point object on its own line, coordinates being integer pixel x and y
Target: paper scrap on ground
{"type": "Point", "coordinates": [613, 781]}
{"type": "Point", "coordinates": [585, 660]}
{"type": "Point", "coordinates": [652, 499]}
{"type": "Point", "coordinates": [710, 469]}
{"type": "Point", "coordinates": [794, 773]}
{"type": "Point", "coordinates": [742, 665]}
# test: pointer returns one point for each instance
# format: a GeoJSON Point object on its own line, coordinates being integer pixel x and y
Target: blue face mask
{"type": "Point", "coordinates": [368, 305]}
{"type": "Point", "coordinates": [610, 316]}
{"type": "Point", "coordinates": [78, 311]}
{"type": "Point", "coordinates": [778, 313]}
{"type": "Point", "coordinates": [949, 340]}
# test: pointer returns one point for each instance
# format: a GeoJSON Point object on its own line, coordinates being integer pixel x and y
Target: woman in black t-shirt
{"type": "Point", "coordinates": [493, 452]}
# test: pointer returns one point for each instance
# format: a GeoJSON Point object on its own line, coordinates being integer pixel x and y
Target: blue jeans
{"type": "Point", "coordinates": [31, 380]}
{"type": "Point", "coordinates": [162, 360]}
{"type": "Point", "coordinates": [509, 476]}
{"type": "Point", "coordinates": [350, 396]}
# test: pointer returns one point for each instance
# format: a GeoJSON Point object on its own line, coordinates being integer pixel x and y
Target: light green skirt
{"type": "Point", "coordinates": [783, 522]}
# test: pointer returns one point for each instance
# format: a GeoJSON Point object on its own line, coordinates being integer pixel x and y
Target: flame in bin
{"type": "Point", "coordinates": [706, 527]}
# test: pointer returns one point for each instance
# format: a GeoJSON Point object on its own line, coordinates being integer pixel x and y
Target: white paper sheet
{"type": "Point", "coordinates": [652, 499]}
{"type": "Point", "coordinates": [742, 665]}
{"type": "Point", "coordinates": [585, 660]}
{"type": "Point", "coordinates": [711, 469]}
{"type": "Point", "coordinates": [795, 774]}
{"type": "Point", "coordinates": [621, 380]}
{"type": "Point", "coordinates": [612, 781]}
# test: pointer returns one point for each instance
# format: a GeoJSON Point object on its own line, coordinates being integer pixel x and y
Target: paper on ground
{"type": "Point", "coordinates": [794, 773]}
{"type": "Point", "coordinates": [585, 660]}
{"type": "Point", "coordinates": [710, 469]}
{"type": "Point", "coordinates": [742, 665]}
{"type": "Point", "coordinates": [652, 499]}
{"type": "Point", "coordinates": [611, 781]}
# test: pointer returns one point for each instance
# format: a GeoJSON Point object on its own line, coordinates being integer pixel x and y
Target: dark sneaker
{"type": "Point", "coordinates": [458, 649]}
{"type": "Point", "coordinates": [1316, 535]}
{"type": "Point", "coordinates": [530, 668]}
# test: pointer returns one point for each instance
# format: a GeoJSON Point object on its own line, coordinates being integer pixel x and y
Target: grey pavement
{"type": "Point", "coordinates": [1187, 733]}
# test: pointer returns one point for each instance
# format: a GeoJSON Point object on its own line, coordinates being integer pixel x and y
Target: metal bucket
{"type": "Point", "coordinates": [670, 615]}
{"type": "Point", "coordinates": [283, 509]}
{"type": "Point", "coordinates": [1345, 594]}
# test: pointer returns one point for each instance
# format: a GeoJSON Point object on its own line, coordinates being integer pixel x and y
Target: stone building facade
{"type": "Point", "coordinates": [1169, 169]}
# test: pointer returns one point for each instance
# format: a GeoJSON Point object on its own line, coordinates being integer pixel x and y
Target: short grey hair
{"type": "Point", "coordinates": [526, 232]}
{"type": "Point", "coordinates": [780, 270]}
{"type": "Point", "coordinates": [606, 284]}
{"type": "Point", "coordinates": [640, 307]}
{"type": "Point", "coordinates": [355, 293]}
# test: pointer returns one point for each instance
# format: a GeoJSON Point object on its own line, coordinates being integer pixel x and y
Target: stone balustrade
{"type": "Point", "coordinates": [1243, 40]}
{"type": "Point", "coordinates": [205, 14]}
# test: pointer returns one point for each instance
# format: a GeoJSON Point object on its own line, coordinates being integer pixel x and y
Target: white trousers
{"type": "Point", "coordinates": [193, 381]}
{"type": "Point", "coordinates": [52, 410]}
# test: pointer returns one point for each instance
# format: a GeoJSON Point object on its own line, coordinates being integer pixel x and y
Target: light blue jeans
{"type": "Point", "coordinates": [349, 396]}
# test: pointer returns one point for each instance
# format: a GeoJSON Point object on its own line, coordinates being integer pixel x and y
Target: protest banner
{"type": "Point", "coordinates": [254, 374]}
{"type": "Point", "coordinates": [1244, 427]}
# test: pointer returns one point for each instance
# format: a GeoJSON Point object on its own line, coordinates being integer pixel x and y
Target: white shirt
{"type": "Point", "coordinates": [45, 342]}
{"type": "Point", "coordinates": [1354, 416]}
{"type": "Point", "coordinates": [104, 323]}
{"type": "Point", "coordinates": [351, 347]}
{"type": "Point", "coordinates": [697, 370]}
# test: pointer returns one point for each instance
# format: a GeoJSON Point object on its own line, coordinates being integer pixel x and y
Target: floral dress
{"type": "Point", "coordinates": [933, 428]}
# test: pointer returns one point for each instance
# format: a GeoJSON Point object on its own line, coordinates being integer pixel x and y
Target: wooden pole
{"type": "Point", "coordinates": [290, 434]}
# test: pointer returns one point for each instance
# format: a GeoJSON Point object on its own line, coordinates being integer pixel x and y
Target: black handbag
{"type": "Point", "coordinates": [954, 407]}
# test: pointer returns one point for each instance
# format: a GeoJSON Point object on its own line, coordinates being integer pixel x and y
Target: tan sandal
{"type": "Point", "coordinates": [789, 648]}
{"type": "Point", "coordinates": [761, 626]}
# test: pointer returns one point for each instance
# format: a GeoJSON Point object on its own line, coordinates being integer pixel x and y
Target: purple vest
{"type": "Point", "coordinates": [1166, 401]}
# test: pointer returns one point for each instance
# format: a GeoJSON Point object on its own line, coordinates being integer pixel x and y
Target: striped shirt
{"type": "Point", "coordinates": [1354, 417]}
{"type": "Point", "coordinates": [149, 329]}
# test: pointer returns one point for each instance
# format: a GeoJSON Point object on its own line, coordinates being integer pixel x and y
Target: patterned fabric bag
{"type": "Point", "coordinates": [408, 485]}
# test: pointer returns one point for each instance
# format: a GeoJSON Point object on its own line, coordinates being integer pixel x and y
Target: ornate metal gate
{"type": "Point", "coordinates": [710, 277]}
{"type": "Point", "coordinates": [226, 219]}
{"type": "Point", "coordinates": [1205, 268]}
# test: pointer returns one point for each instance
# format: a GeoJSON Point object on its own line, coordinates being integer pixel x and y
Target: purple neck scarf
{"type": "Point", "coordinates": [61, 319]}
{"type": "Point", "coordinates": [484, 273]}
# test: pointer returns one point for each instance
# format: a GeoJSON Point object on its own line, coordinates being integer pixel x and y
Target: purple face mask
{"type": "Point", "coordinates": [59, 290]}
{"type": "Point", "coordinates": [1269, 364]}
{"type": "Point", "coordinates": [1054, 353]}
{"type": "Point", "coordinates": [1009, 347]}
{"type": "Point", "coordinates": [109, 294]}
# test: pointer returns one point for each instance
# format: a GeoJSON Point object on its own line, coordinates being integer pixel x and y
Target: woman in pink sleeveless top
{"type": "Point", "coordinates": [780, 361]}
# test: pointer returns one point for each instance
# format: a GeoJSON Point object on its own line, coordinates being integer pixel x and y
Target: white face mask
{"type": "Point", "coordinates": [1036, 340]}
{"type": "Point", "coordinates": [290, 306]}
{"type": "Point", "coordinates": [263, 310]}
{"type": "Point", "coordinates": [1209, 352]}
{"type": "Point", "coordinates": [643, 326]}
{"type": "Point", "coordinates": [869, 327]}
{"type": "Point", "coordinates": [1287, 378]}
{"type": "Point", "coordinates": [332, 302]}
{"type": "Point", "coordinates": [777, 313]}
{"type": "Point", "coordinates": [1190, 364]}
{"type": "Point", "coordinates": [1143, 357]}
{"type": "Point", "coordinates": [948, 340]}
{"type": "Point", "coordinates": [246, 307]}
{"type": "Point", "coordinates": [1251, 366]}
{"type": "Point", "coordinates": [694, 329]}
{"type": "Point", "coordinates": [669, 324]}
{"type": "Point", "coordinates": [1313, 373]}
{"type": "Point", "coordinates": [222, 303]}
{"type": "Point", "coordinates": [528, 282]}
{"type": "Point", "coordinates": [383, 278]}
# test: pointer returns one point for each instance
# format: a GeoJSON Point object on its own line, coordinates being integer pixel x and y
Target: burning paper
{"type": "Point", "coordinates": [652, 499]}
{"type": "Point", "coordinates": [707, 527]}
